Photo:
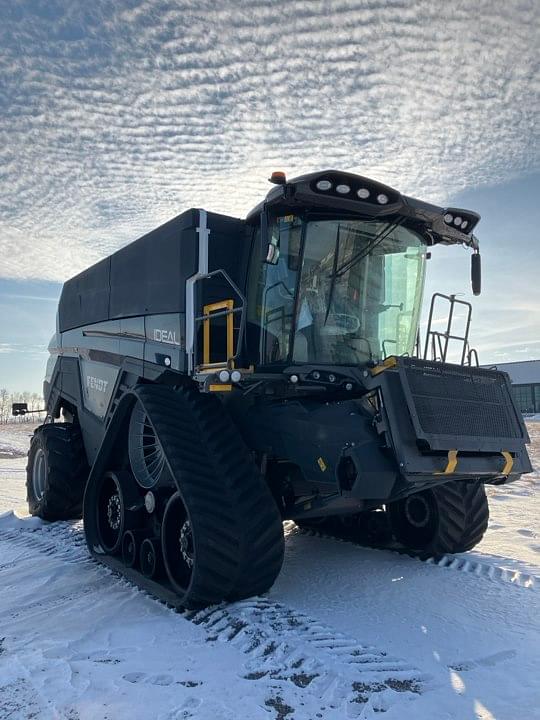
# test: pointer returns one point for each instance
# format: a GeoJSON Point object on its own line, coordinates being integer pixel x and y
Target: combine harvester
{"type": "Point", "coordinates": [218, 376]}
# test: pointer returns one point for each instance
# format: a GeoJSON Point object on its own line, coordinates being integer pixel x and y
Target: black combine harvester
{"type": "Point", "coordinates": [218, 376]}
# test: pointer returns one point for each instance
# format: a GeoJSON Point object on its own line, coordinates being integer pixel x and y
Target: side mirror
{"type": "Point", "coordinates": [476, 273]}
{"type": "Point", "coordinates": [19, 409]}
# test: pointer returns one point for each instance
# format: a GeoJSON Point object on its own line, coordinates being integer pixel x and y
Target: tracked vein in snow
{"type": "Point", "coordinates": [487, 571]}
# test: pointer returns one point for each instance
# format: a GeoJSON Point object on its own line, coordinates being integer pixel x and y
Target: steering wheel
{"type": "Point", "coordinates": [340, 322]}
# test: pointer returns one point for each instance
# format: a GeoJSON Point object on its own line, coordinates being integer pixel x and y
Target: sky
{"type": "Point", "coordinates": [115, 117]}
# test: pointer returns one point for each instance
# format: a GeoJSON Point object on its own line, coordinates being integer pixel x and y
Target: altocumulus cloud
{"type": "Point", "coordinates": [116, 116]}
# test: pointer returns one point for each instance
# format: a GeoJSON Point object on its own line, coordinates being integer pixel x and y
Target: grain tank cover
{"type": "Point", "coordinates": [148, 276]}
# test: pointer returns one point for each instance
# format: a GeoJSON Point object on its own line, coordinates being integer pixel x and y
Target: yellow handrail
{"type": "Point", "coordinates": [207, 310]}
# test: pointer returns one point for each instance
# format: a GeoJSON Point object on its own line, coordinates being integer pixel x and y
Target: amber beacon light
{"type": "Point", "coordinates": [278, 177]}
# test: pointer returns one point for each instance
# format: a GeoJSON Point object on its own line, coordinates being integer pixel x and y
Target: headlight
{"type": "Point", "coordinates": [363, 193]}
{"type": "Point", "coordinates": [458, 220]}
{"type": "Point", "coordinates": [448, 218]}
{"type": "Point", "coordinates": [382, 199]}
{"type": "Point", "coordinates": [343, 189]}
{"type": "Point", "coordinates": [324, 185]}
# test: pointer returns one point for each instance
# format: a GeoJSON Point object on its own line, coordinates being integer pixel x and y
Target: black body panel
{"type": "Point", "coordinates": [148, 276]}
{"type": "Point", "coordinates": [85, 298]}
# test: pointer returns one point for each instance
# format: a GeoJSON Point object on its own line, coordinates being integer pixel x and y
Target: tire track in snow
{"type": "Point", "coordinates": [489, 571]}
{"type": "Point", "coordinates": [67, 539]}
{"type": "Point", "coordinates": [486, 570]}
{"type": "Point", "coordinates": [285, 649]}
{"type": "Point", "coordinates": [289, 648]}
{"type": "Point", "coordinates": [64, 540]}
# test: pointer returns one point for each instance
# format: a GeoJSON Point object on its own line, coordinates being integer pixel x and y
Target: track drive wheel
{"type": "Point", "coordinates": [56, 472]}
{"type": "Point", "coordinates": [448, 518]}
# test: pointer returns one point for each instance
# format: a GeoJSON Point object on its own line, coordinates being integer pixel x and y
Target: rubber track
{"type": "Point", "coordinates": [236, 514]}
{"type": "Point", "coordinates": [451, 562]}
{"type": "Point", "coordinates": [284, 648]}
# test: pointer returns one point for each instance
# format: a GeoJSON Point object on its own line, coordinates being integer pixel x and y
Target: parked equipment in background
{"type": "Point", "coordinates": [218, 376]}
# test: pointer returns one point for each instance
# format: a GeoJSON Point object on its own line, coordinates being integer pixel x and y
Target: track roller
{"type": "Point", "coordinates": [150, 557]}
{"type": "Point", "coordinates": [131, 543]}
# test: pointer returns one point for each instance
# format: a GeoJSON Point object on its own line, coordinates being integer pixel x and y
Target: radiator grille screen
{"type": "Point", "coordinates": [462, 401]}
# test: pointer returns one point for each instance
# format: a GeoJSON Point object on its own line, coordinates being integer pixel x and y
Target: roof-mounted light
{"type": "Point", "coordinates": [278, 177]}
{"type": "Point", "coordinates": [355, 189]}
{"type": "Point", "coordinates": [462, 220]}
{"type": "Point", "coordinates": [324, 185]}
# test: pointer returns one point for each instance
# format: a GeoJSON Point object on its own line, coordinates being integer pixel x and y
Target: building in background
{"type": "Point", "coordinates": [525, 377]}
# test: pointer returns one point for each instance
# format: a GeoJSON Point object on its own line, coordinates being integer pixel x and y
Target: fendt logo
{"type": "Point", "coordinates": [95, 383]}
{"type": "Point", "coordinates": [165, 336]}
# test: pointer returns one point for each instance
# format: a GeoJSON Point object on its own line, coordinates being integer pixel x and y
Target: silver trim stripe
{"type": "Point", "coordinates": [203, 232]}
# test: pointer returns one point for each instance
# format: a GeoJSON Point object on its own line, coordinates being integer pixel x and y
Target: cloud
{"type": "Point", "coordinates": [116, 117]}
{"type": "Point", "coordinates": [17, 348]}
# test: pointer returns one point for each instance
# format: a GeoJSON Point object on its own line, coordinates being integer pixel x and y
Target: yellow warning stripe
{"type": "Point", "coordinates": [509, 464]}
{"type": "Point", "coordinates": [451, 465]}
{"type": "Point", "coordinates": [220, 388]}
{"type": "Point", "coordinates": [390, 362]}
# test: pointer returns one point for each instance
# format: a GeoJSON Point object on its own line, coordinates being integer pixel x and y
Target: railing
{"type": "Point", "coordinates": [213, 311]}
{"type": "Point", "coordinates": [437, 342]}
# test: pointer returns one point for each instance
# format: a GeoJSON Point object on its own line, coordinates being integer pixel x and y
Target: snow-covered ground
{"type": "Point", "coordinates": [345, 632]}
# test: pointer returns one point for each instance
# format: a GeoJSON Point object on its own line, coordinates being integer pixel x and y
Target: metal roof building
{"type": "Point", "coordinates": [525, 377]}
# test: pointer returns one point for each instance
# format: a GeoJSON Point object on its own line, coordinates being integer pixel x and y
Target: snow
{"type": "Point", "coordinates": [345, 632]}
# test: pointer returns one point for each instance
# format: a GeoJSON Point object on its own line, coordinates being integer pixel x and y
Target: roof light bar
{"type": "Point", "coordinates": [355, 188]}
{"type": "Point", "coordinates": [460, 219]}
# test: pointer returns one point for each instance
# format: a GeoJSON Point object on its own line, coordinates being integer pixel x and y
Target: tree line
{"type": "Point", "coordinates": [7, 398]}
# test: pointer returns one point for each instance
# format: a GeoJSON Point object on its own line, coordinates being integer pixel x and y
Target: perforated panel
{"type": "Point", "coordinates": [474, 406]}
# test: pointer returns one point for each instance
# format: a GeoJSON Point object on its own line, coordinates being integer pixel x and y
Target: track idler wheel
{"type": "Point", "coordinates": [150, 557]}
{"type": "Point", "coordinates": [178, 544]}
{"type": "Point", "coordinates": [118, 509]}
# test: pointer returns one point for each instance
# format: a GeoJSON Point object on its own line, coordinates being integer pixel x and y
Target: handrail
{"type": "Point", "coordinates": [439, 340]}
{"type": "Point", "coordinates": [228, 311]}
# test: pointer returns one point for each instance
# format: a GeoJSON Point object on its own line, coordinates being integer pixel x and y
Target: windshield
{"type": "Point", "coordinates": [352, 287]}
